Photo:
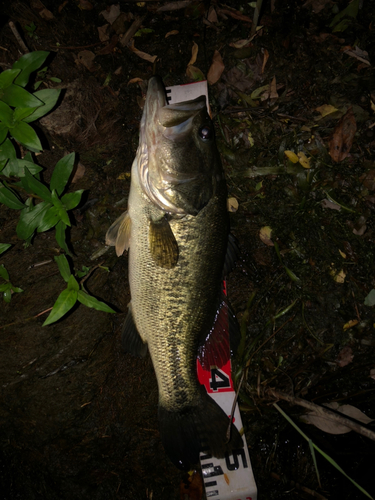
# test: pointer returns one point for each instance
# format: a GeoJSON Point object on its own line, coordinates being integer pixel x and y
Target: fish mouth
{"type": "Point", "coordinates": [163, 121]}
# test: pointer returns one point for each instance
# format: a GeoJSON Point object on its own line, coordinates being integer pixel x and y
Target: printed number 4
{"type": "Point", "coordinates": [218, 380]}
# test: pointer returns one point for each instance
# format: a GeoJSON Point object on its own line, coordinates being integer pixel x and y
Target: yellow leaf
{"type": "Point", "coordinates": [173, 32]}
{"type": "Point", "coordinates": [194, 53]}
{"type": "Point", "coordinates": [232, 205]}
{"type": "Point", "coordinates": [265, 235]}
{"type": "Point", "coordinates": [123, 176]}
{"type": "Point", "coordinates": [350, 324]}
{"type": "Point", "coordinates": [194, 73]}
{"type": "Point", "coordinates": [372, 106]}
{"type": "Point", "coordinates": [326, 109]}
{"type": "Point", "coordinates": [291, 156]}
{"type": "Point", "coordinates": [304, 161]}
{"type": "Point", "coordinates": [343, 255]}
{"type": "Point", "coordinates": [339, 277]}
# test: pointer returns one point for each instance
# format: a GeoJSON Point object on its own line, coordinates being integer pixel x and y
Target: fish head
{"type": "Point", "coordinates": [179, 163]}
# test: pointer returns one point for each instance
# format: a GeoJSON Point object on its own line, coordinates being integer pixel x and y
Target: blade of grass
{"type": "Point", "coordinates": [327, 457]}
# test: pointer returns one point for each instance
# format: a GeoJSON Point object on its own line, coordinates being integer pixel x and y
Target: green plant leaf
{"type": "Point", "coordinates": [7, 77]}
{"type": "Point", "coordinates": [21, 113]}
{"type": "Point", "coordinates": [73, 283]}
{"type": "Point", "coordinates": [35, 186]}
{"type": "Point", "coordinates": [29, 63]}
{"type": "Point", "coordinates": [9, 198]}
{"type": "Point", "coordinates": [30, 218]}
{"type": "Point", "coordinates": [60, 236]}
{"type": "Point", "coordinates": [6, 114]}
{"type": "Point", "coordinates": [50, 218]}
{"type": "Point", "coordinates": [7, 151]}
{"type": "Point", "coordinates": [4, 247]}
{"type": "Point", "coordinates": [4, 273]}
{"type": "Point", "coordinates": [27, 136]}
{"type": "Point", "coordinates": [65, 301]}
{"type": "Point", "coordinates": [3, 132]}
{"type": "Point", "coordinates": [56, 200]}
{"type": "Point", "coordinates": [61, 173]}
{"type": "Point", "coordinates": [71, 200]}
{"type": "Point", "coordinates": [16, 96]}
{"type": "Point", "coordinates": [17, 168]}
{"type": "Point", "coordinates": [7, 293]}
{"type": "Point", "coordinates": [63, 214]}
{"type": "Point", "coordinates": [64, 267]}
{"type": "Point", "coordinates": [49, 97]}
{"type": "Point", "coordinates": [84, 272]}
{"type": "Point", "coordinates": [4, 286]}
{"type": "Point", "coordinates": [90, 301]}
{"type": "Point", "coordinates": [370, 298]}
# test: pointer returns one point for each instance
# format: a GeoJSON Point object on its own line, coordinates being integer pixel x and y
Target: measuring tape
{"type": "Point", "coordinates": [229, 478]}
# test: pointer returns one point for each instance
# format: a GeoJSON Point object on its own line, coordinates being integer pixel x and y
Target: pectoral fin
{"type": "Point", "coordinates": [118, 235]}
{"type": "Point", "coordinates": [163, 244]}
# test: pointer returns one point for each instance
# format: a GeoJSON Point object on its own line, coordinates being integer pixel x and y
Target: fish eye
{"type": "Point", "coordinates": [206, 133]}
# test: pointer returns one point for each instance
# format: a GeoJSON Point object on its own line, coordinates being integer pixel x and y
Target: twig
{"type": "Point", "coordinates": [132, 30]}
{"type": "Point", "coordinates": [27, 319]}
{"type": "Point", "coordinates": [323, 412]}
{"type": "Point", "coordinates": [18, 37]}
{"type": "Point", "coordinates": [298, 486]}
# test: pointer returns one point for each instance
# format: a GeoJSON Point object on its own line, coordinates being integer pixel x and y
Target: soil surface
{"type": "Point", "coordinates": [78, 415]}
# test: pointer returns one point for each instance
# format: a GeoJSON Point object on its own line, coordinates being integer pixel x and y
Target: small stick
{"type": "Point", "coordinates": [323, 412]}
{"type": "Point", "coordinates": [18, 37]}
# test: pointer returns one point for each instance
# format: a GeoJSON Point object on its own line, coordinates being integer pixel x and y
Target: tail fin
{"type": "Point", "coordinates": [203, 427]}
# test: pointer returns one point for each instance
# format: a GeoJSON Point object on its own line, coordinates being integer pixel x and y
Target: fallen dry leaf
{"type": "Point", "coordinates": [329, 204]}
{"type": "Point", "coordinates": [173, 32]}
{"type": "Point", "coordinates": [85, 5]}
{"type": "Point", "coordinates": [182, 4]}
{"type": "Point", "coordinates": [141, 54]}
{"type": "Point", "coordinates": [194, 73]}
{"type": "Point", "coordinates": [111, 13]}
{"type": "Point", "coordinates": [291, 156]}
{"type": "Point", "coordinates": [103, 33]}
{"type": "Point", "coordinates": [212, 16]}
{"type": "Point", "coordinates": [216, 69]}
{"type": "Point", "coordinates": [304, 161]}
{"type": "Point", "coordinates": [194, 54]}
{"type": "Point", "coordinates": [345, 356]}
{"type": "Point", "coordinates": [273, 91]}
{"type": "Point", "coordinates": [343, 135]}
{"type": "Point", "coordinates": [265, 59]}
{"type": "Point", "coordinates": [86, 58]}
{"type": "Point", "coordinates": [265, 235]}
{"type": "Point", "coordinates": [232, 204]}
{"type": "Point", "coordinates": [239, 44]}
{"type": "Point", "coordinates": [326, 109]}
{"type": "Point", "coordinates": [331, 426]}
{"type": "Point", "coordinates": [359, 54]}
{"type": "Point", "coordinates": [372, 373]}
{"type": "Point", "coordinates": [135, 80]}
{"type": "Point", "coordinates": [368, 180]}
{"type": "Point", "coordinates": [347, 326]}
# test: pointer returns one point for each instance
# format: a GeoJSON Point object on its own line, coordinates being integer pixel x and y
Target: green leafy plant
{"type": "Point", "coordinates": [6, 288]}
{"type": "Point", "coordinates": [74, 292]}
{"type": "Point", "coordinates": [30, 29]}
{"type": "Point", "coordinates": [53, 209]}
{"type": "Point", "coordinates": [18, 107]}
{"type": "Point", "coordinates": [42, 207]}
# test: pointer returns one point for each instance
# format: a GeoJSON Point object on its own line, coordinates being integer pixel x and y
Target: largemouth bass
{"type": "Point", "coordinates": [176, 227]}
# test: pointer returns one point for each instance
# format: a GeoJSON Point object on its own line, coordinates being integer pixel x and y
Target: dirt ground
{"type": "Point", "coordinates": [79, 416]}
